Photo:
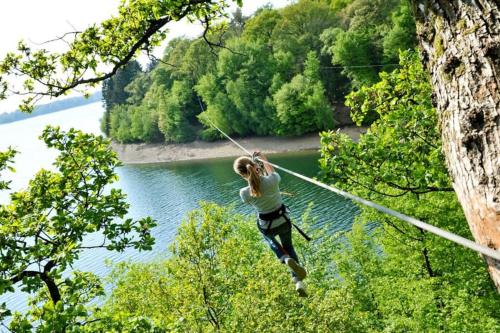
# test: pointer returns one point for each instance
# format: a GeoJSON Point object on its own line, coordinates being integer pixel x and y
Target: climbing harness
{"type": "Point", "coordinates": [274, 215]}
{"type": "Point", "coordinates": [419, 224]}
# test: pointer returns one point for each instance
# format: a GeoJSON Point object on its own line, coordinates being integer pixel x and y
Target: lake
{"type": "Point", "coordinates": [167, 191]}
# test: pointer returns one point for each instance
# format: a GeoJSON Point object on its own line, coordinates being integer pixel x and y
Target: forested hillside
{"type": "Point", "coordinates": [280, 72]}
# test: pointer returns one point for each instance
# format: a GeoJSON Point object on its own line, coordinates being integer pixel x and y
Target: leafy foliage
{"type": "Point", "coordinates": [236, 94]}
{"type": "Point", "coordinates": [222, 277]}
{"type": "Point", "coordinates": [401, 152]}
{"type": "Point", "coordinates": [411, 275]}
{"type": "Point", "coordinates": [369, 37]}
{"type": "Point", "coordinates": [381, 276]}
{"type": "Point", "coordinates": [261, 81]}
{"type": "Point", "coordinates": [301, 105]}
{"type": "Point", "coordinates": [402, 35]}
{"type": "Point", "coordinates": [6, 159]}
{"type": "Point", "coordinates": [174, 108]}
{"type": "Point", "coordinates": [113, 90]}
{"type": "Point", "coordinates": [44, 229]}
{"type": "Point", "coordinates": [96, 53]}
{"type": "Point", "coordinates": [354, 48]}
{"type": "Point", "coordinates": [120, 124]}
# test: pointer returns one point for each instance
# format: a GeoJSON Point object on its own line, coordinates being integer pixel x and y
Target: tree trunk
{"type": "Point", "coordinates": [460, 45]}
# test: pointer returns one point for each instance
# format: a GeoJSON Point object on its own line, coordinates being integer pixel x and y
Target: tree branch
{"type": "Point", "coordinates": [220, 44]}
{"type": "Point", "coordinates": [60, 38]}
{"type": "Point", "coordinates": [155, 58]}
{"type": "Point", "coordinates": [55, 87]}
{"type": "Point", "coordinates": [23, 275]}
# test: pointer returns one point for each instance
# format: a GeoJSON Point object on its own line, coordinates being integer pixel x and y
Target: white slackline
{"type": "Point", "coordinates": [422, 225]}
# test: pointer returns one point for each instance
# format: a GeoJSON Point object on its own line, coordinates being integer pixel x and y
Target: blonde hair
{"type": "Point", "coordinates": [246, 168]}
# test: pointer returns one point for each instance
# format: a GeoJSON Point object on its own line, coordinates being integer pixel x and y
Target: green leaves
{"type": "Point", "coordinates": [301, 105]}
{"type": "Point", "coordinates": [406, 279]}
{"type": "Point", "coordinates": [173, 110]}
{"type": "Point", "coordinates": [236, 84]}
{"type": "Point", "coordinates": [111, 44]}
{"type": "Point", "coordinates": [401, 151]}
{"type": "Point", "coordinates": [221, 276]}
{"type": "Point", "coordinates": [44, 228]}
{"type": "Point", "coordinates": [236, 93]}
{"type": "Point", "coordinates": [369, 38]}
{"type": "Point", "coordinates": [159, 104]}
{"type": "Point", "coordinates": [6, 158]}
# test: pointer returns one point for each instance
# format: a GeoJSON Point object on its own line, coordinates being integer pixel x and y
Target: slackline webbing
{"type": "Point", "coordinates": [419, 224]}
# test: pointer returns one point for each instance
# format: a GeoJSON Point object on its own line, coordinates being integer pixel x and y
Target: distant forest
{"type": "Point", "coordinates": [278, 72]}
{"type": "Point", "coordinates": [50, 108]}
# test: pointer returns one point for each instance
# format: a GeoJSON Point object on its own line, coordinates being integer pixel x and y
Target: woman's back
{"type": "Point", "coordinates": [273, 219]}
{"type": "Point", "coordinates": [270, 198]}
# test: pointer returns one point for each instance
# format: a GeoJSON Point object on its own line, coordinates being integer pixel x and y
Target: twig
{"type": "Point", "coordinates": [60, 38]}
{"type": "Point", "coordinates": [220, 44]}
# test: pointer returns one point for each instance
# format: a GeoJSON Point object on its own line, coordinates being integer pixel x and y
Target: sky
{"type": "Point", "coordinates": [37, 21]}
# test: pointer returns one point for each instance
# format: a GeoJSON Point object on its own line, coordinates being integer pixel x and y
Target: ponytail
{"type": "Point", "coordinates": [245, 167]}
{"type": "Point", "coordinates": [253, 181]}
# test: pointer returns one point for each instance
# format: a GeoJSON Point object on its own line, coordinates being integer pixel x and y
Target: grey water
{"type": "Point", "coordinates": [166, 191]}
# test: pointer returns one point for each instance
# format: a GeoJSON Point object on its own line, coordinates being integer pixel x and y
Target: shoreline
{"type": "Point", "coordinates": [145, 153]}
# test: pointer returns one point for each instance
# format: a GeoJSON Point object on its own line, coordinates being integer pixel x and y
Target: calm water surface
{"type": "Point", "coordinates": [166, 192]}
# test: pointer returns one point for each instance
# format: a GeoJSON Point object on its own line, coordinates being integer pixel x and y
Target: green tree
{"type": "Point", "coordinates": [262, 25]}
{"type": "Point", "coordinates": [402, 35]}
{"type": "Point", "coordinates": [162, 105]}
{"type": "Point", "coordinates": [338, 5]}
{"type": "Point", "coordinates": [354, 50]}
{"type": "Point", "coordinates": [138, 88]}
{"type": "Point", "coordinates": [221, 277]}
{"type": "Point", "coordinates": [451, 36]}
{"type": "Point", "coordinates": [113, 43]}
{"type": "Point", "coordinates": [369, 37]}
{"type": "Point", "coordinates": [6, 159]}
{"type": "Point", "coordinates": [259, 68]}
{"type": "Point", "coordinates": [113, 89]}
{"type": "Point", "coordinates": [144, 124]}
{"type": "Point", "coordinates": [301, 104]}
{"type": "Point", "coordinates": [44, 230]}
{"type": "Point", "coordinates": [299, 29]}
{"type": "Point", "coordinates": [237, 22]}
{"type": "Point", "coordinates": [298, 32]}
{"type": "Point", "coordinates": [197, 61]}
{"type": "Point", "coordinates": [114, 92]}
{"type": "Point", "coordinates": [174, 108]}
{"type": "Point", "coordinates": [406, 130]}
{"type": "Point", "coordinates": [399, 163]}
{"type": "Point", "coordinates": [236, 93]}
{"type": "Point", "coordinates": [120, 124]}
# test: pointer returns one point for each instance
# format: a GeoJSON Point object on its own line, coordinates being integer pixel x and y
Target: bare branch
{"type": "Point", "coordinates": [220, 44]}
{"type": "Point", "coordinates": [155, 58]}
{"type": "Point", "coordinates": [60, 38]}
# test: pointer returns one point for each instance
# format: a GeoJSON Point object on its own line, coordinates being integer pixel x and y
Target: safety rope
{"type": "Point", "coordinates": [419, 224]}
{"type": "Point", "coordinates": [360, 66]}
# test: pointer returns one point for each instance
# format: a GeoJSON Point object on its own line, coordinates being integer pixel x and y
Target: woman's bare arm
{"type": "Point", "coordinates": [269, 168]}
